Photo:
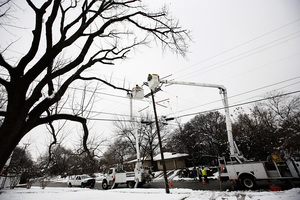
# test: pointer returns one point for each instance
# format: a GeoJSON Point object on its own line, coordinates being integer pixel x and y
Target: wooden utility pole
{"type": "Point", "coordinates": [160, 146]}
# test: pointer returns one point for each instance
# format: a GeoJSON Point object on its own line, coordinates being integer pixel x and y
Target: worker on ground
{"type": "Point", "coordinates": [204, 174]}
{"type": "Point", "coordinates": [199, 173]}
{"type": "Point", "coordinates": [194, 174]}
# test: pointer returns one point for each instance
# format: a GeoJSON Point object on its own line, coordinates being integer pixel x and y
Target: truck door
{"type": "Point", "coordinates": [110, 175]}
{"type": "Point", "coordinates": [296, 164]}
{"type": "Point", "coordinates": [78, 180]}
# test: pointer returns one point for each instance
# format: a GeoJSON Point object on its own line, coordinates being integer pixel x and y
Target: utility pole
{"type": "Point", "coordinates": [160, 146]}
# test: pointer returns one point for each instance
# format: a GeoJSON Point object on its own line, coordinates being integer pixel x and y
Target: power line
{"type": "Point", "coordinates": [231, 59]}
{"type": "Point", "coordinates": [98, 112]}
{"type": "Point", "coordinates": [197, 113]}
{"type": "Point", "coordinates": [235, 105]}
{"type": "Point", "coordinates": [264, 65]}
{"type": "Point", "coordinates": [250, 91]}
{"type": "Point", "coordinates": [107, 120]}
{"type": "Point", "coordinates": [226, 51]}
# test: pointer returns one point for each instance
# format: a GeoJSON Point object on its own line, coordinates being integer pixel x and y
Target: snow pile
{"type": "Point", "coordinates": [174, 175]}
{"type": "Point", "coordinates": [141, 194]}
{"type": "Point", "coordinates": [171, 174]}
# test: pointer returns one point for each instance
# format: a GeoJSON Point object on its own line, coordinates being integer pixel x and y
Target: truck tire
{"type": "Point", "coordinates": [248, 182]}
{"type": "Point", "coordinates": [69, 185]}
{"type": "Point", "coordinates": [104, 185]}
{"type": "Point", "coordinates": [130, 184]}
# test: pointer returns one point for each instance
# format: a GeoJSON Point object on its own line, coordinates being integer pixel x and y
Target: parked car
{"type": "Point", "coordinates": [82, 181]}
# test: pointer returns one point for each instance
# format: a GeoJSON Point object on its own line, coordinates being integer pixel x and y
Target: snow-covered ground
{"type": "Point", "coordinates": [51, 193]}
{"type": "Point", "coordinates": [65, 193]}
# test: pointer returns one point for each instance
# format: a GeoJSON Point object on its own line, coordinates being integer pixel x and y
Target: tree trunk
{"type": "Point", "coordinates": [13, 127]}
{"type": "Point", "coordinates": [8, 144]}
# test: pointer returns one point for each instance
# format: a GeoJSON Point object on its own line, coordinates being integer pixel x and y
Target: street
{"type": "Point", "coordinates": [213, 185]}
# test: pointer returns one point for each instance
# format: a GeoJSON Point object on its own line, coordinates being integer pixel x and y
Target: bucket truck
{"type": "Point", "coordinates": [140, 176]}
{"type": "Point", "coordinates": [238, 169]}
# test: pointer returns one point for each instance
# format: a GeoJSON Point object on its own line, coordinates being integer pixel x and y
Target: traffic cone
{"type": "Point", "coordinates": [203, 182]}
{"type": "Point", "coordinates": [171, 184]}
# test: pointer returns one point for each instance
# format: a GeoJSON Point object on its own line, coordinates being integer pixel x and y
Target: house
{"type": "Point", "coordinates": [172, 161]}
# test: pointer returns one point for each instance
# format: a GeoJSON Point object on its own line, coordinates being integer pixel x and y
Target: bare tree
{"type": "Point", "coordinates": [285, 121]}
{"type": "Point", "coordinates": [4, 9]}
{"type": "Point", "coordinates": [203, 137]}
{"type": "Point", "coordinates": [271, 126]}
{"type": "Point", "coordinates": [118, 152]}
{"type": "Point", "coordinates": [63, 26]}
{"type": "Point", "coordinates": [147, 132]}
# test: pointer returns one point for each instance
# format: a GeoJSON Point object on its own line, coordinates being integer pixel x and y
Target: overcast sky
{"type": "Point", "coordinates": [244, 45]}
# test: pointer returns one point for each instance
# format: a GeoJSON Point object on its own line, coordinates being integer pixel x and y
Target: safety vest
{"type": "Point", "coordinates": [203, 172]}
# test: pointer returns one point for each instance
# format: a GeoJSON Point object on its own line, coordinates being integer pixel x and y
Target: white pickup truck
{"type": "Point", "coordinates": [82, 181]}
{"type": "Point", "coordinates": [114, 177]}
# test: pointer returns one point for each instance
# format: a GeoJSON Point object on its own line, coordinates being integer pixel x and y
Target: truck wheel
{"type": "Point", "coordinates": [69, 185]}
{"type": "Point", "coordinates": [82, 185]}
{"type": "Point", "coordinates": [248, 182]}
{"type": "Point", "coordinates": [130, 184]}
{"type": "Point", "coordinates": [104, 185]}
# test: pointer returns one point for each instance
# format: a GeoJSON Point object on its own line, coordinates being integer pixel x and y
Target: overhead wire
{"type": "Point", "coordinates": [240, 104]}
{"type": "Point", "coordinates": [231, 59]}
{"type": "Point", "coordinates": [235, 47]}
{"type": "Point", "coordinates": [206, 111]}
{"type": "Point", "coordinates": [263, 66]}
{"type": "Point", "coordinates": [250, 91]}
{"type": "Point", "coordinates": [236, 56]}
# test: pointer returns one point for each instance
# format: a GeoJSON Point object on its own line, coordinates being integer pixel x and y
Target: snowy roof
{"type": "Point", "coordinates": [170, 155]}
{"type": "Point", "coordinates": [167, 155]}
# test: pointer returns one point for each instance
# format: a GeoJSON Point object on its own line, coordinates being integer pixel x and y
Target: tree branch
{"type": "Point", "coordinates": [103, 81]}
{"type": "Point", "coordinates": [2, 113]}
{"type": "Point", "coordinates": [36, 35]}
{"type": "Point", "coordinates": [3, 63]}
{"type": "Point", "coordinates": [54, 138]}
{"type": "Point", "coordinates": [81, 120]}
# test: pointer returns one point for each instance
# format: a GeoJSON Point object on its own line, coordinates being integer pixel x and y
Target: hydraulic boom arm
{"type": "Point", "coordinates": [154, 81]}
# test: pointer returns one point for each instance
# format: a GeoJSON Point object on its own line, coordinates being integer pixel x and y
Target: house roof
{"type": "Point", "coordinates": [170, 155]}
{"type": "Point", "coordinates": [167, 155]}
